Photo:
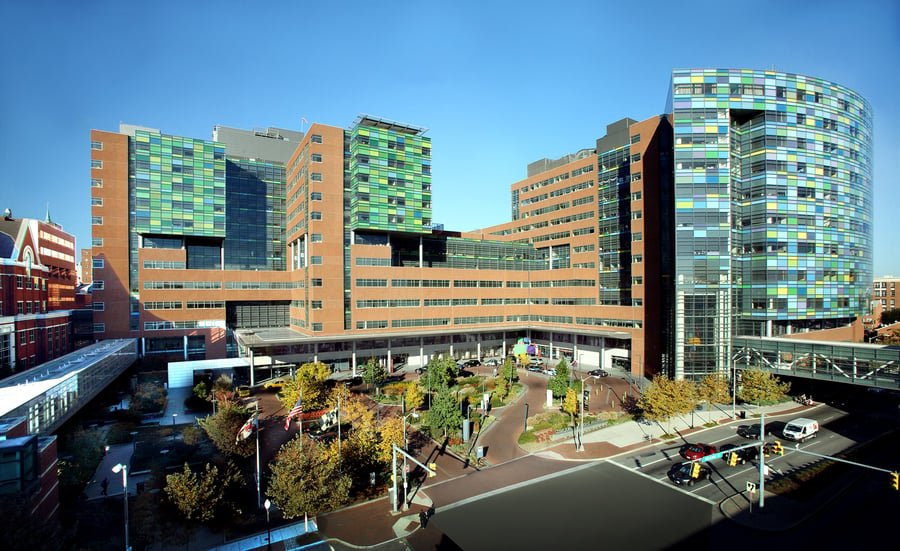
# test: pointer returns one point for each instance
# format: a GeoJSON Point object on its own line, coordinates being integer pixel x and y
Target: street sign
{"type": "Point", "coordinates": [751, 487]}
{"type": "Point", "coordinates": [712, 456]}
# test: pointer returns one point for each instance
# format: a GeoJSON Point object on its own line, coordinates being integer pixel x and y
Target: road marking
{"type": "Point", "coordinates": [665, 482]}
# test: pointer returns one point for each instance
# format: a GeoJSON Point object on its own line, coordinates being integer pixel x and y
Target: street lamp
{"type": "Point", "coordinates": [267, 505]}
{"type": "Point", "coordinates": [414, 415]}
{"type": "Point", "coordinates": [124, 470]}
{"type": "Point", "coordinates": [174, 415]}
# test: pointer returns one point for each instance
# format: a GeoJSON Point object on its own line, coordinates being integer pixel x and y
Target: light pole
{"type": "Point", "coordinates": [174, 415]}
{"type": "Point", "coordinates": [124, 470]}
{"type": "Point", "coordinates": [414, 415]}
{"type": "Point", "coordinates": [267, 505]}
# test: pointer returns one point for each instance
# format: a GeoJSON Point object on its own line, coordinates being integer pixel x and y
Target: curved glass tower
{"type": "Point", "coordinates": [773, 208]}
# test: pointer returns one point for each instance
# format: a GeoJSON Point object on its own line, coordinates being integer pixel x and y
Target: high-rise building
{"type": "Point", "coordinates": [773, 209]}
{"type": "Point", "coordinates": [744, 210]}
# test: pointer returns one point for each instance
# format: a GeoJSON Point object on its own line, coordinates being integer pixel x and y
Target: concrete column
{"type": "Point", "coordinates": [252, 368]}
{"type": "Point", "coordinates": [185, 347]}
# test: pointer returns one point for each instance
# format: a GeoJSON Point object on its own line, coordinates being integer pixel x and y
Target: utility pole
{"type": "Point", "coordinates": [762, 461]}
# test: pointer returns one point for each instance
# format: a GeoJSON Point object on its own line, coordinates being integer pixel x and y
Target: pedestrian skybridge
{"type": "Point", "coordinates": [860, 364]}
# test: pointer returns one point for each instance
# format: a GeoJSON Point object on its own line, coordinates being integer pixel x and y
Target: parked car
{"type": "Point", "coordinates": [680, 473]}
{"type": "Point", "coordinates": [749, 431]}
{"type": "Point", "coordinates": [243, 391]}
{"type": "Point", "coordinates": [745, 455]}
{"type": "Point", "coordinates": [420, 370]}
{"type": "Point", "coordinates": [463, 373]}
{"type": "Point", "coordinates": [493, 362]}
{"type": "Point", "coordinates": [471, 363]}
{"type": "Point", "coordinates": [353, 381]}
{"type": "Point", "coordinates": [535, 368]}
{"type": "Point", "coordinates": [549, 371]}
{"type": "Point", "coordinates": [598, 373]}
{"type": "Point", "coordinates": [696, 451]}
{"type": "Point", "coordinates": [276, 384]}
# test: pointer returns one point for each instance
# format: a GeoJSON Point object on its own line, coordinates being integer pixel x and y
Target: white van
{"type": "Point", "coordinates": [801, 429]}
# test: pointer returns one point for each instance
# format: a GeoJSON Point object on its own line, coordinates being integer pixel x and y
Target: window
{"type": "Point", "coordinates": [96, 145]}
{"type": "Point", "coordinates": [315, 237]}
{"type": "Point", "coordinates": [315, 215]}
{"type": "Point", "coordinates": [636, 138]}
{"type": "Point", "coordinates": [98, 306]}
{"type": "Point", "coordinates": [19, 282]}
{"type": "Point", "coordinates": [315, 304]}
{"type": "Point", "coordinates": [96, 201]}
{"type": "Point", "coordinates": [315, 196]}
{"type": "Point", "coordinates": [315, 259]}
{"type": "Point", "coordinates": [96, 182]}
{"type": "Point", "coordinates": [96, 242]}
{"type": "Point", "coordinates": [317, 327]}
{"type": "Point", "coordinates": [636, 157]}
{"type": "Point", "coordinates": [97, 220]}
{"type": "Point", "coordinates": [637, 258]}
{"type": "Point", "coordinates": [20, 307]}
{"type": "Point", "coordinates": [316, 157]}
{"type": "Point", "coordinates": [636, 196]}
{"type": "Point", "coordinates": [96, 163]}
{"type": "Point", "coordinates": [98, 285]}
{"type": "Point", "coordinates": [316, 176]}
{"type": "Point", "coordinates": [316, 282]}
{"type": "Point", "coordinates": [27, 306]}
{"type": "Point", "coordinates": [99, 328]}
{"type": "Point", "coordinates": [96, 263]}
{"type": "Point", "coordinates": [315, 138]}
{"type": "Point", "coordinates": [637, 236]}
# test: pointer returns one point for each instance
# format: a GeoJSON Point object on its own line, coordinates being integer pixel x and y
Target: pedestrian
{"type": "Point", "coordinates": [423, 519]}
{"type": "Point", "coordinates": [103, 487]}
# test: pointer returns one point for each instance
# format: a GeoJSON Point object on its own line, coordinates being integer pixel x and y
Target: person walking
{"type": "Point", "coordinates": [104, 486]}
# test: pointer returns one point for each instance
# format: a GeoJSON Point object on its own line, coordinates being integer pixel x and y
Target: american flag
{"type": "Point", "coordinates": [246, 429]}
{"type": "Point", "coordinates": [295, 411]}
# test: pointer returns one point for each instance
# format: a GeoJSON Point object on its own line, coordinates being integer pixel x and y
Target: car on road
{"type": "Point", "coordinates": [471, 363]}
{"type": "Point", "coordinates": [420, 370]}
{"type": "Point", "coordinates": [535, 368]}
{"type": "Point", "coordinates": [243, 391]}
{"type": "Point", "coordinates": [696, 451]}
{"type": "Point", "coordinates": [353, 381]}
{"type": "Point", "coordinates": [749, 431]}
{"type": "Point", "coordinates": [549, 371]}
{"type": "Point", "coordinates": [493, 362]}
{"type": "Point", "coordinates": [276, 384]}
{"type": "Point", "coordinates": [463, 373]}
{"type": "Point", "coordinates": [598, 373]}
{"type": "Point", "coordinates": [745, 455]}
{"type": "Point", "coordinates": [680, 473]}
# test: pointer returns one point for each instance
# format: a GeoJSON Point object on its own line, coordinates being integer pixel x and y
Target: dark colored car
{"type": "Point", "coordinates": [353, 381]}
{"type": "Point", "coordinates": [598, 373]}
{"type": "Point", "coordinates": [745, 455]}
{"type": "Point", "coordinates": [463, 373]}
{"type": "Point", "coordinates": [749, 431]}
{"type": "Point", "coordinates": [423, 369]}
{"type": "Point", "coordinates": [471, 363]}
{"type": "Point", "coordinates": [696, 451]}
{"type": "Point", "coordinates": [680, 473]}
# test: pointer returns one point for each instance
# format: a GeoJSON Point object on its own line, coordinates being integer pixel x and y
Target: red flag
{"type": "Point", "coordinates": [295, 411]}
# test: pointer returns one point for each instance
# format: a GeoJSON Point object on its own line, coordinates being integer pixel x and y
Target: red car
{"type": "Point", "coordinates": [696, 451]}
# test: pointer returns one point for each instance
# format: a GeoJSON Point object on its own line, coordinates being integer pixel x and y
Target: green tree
{"type": "Point", "coordinates": [442, 372]}
{"type": "Point", "coordinates": [570, 404]}
{"type": "Point", "coordinates": [510, 371]}
{"type": "Point", "coordinates": [23, 531]}
{"type": "Point", "coordinates": [758, 386]}
{"type": "Point", "coordinates": [310, 380]}
{"type": "Point", "coordinates": [444, 415]}
{"type": "Point", "coordinates": [710, 389]}
{"type": "Point", "coordinates": [200, 390]}
{"type": "Point", "coordinates": [559, 383]}
{"type": "Point", "coordinates": [501, 387]}
{"type": "Point", "coordinates": [664, 398]}
{"type": "Point", "coordinates": [200, 496]}
{"type": "Point", "coordinates": [222, 428]}
{"type": "Point", "coordinates": [390, 433]}
{"type": "Point", "coordinates": [374, 372]}
{"type": "Point", "coordinates": [85, 448]}
{"type": "Point", "coordinates": [307, 479]}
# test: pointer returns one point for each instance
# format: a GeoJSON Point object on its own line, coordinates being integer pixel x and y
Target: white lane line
{"type": "Point", "coordinates": [664, 482]}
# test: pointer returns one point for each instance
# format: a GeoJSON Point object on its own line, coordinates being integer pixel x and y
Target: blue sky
{"type": "Point", "coordinates": [499, 84]}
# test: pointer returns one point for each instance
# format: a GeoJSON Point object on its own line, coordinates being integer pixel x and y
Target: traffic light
{"type": "Point", "coordinates": [433, 467]}
{"type": "Point", "coordinates": [895, 481]}
{"type": "Point", "coordinates": [695, 470]}
{"type": "Point", "coordinates": [765, 450]}
{"type": "Point", "coordinates": [732, 459]}
{"type": "Point", "coordinates": [777, 448]}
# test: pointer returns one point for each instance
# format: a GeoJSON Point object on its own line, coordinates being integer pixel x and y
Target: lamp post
{"type": "Point", "coordinates": [267, 505]}
{"type": "Point", "coordinates": [414, 415]}
{"type": "Point", "coordinates": [174, 415]}
{"type": "Point", "coordinates": [124, 470]}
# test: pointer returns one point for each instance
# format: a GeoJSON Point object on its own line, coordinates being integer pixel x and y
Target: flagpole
{"type": "Point", "coordinates": [258, 503]}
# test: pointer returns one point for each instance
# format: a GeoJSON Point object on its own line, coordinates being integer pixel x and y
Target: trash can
{"type": "Point", "coordinates": [743, 414]}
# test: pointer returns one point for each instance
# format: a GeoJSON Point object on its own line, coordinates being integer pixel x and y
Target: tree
{"type": "Point", "coordinates": [559, 383]}
{"type": "Point", "coordinates": [148, 398]}
{"type": "Point", "coordinates": [759, 386]}
{"type": "Point", "coordinates": [85, 448]}
{"type": "Point", "coordinates": [501, 388]}
{"type": "Point", "coordinates": [510, 371]}
{"type": "Point", "coordinates": [374, 372]}
{"type": "Point", "coordinates": [200, 390]}
{"type": "Point", "coordinates": [310, 380]}
{"type": "Point", "coordinates": [712, 388]}
{"type": "Point", "coordinates": [665, 398]}
{"type": "Point", "coordinates": [444, 415]}
{"type": "Point", "coordinates": [199, 497]}
{"type": "Point", "coordinates": [390, 433]}
{"type": "Point", "coordinates": [306, 479]}
{"type": "Point", "coordinates": [442, 372]}
{"type": "Point", "coordinates": [22, 530]}
{"type": "Point", "coordinates": [570, 403]}
{"type": "Point", "coordinates": [413, 397]}
{"type": "Point", "coordinates": [222, 428]}
{"type": "Point", "coordinates": [222, 389]}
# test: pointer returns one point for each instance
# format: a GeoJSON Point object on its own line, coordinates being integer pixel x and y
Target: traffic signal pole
{"type": "Point", "coordinates": [762, 461]}
{"type": "Point", "coordinates": [394, 451]}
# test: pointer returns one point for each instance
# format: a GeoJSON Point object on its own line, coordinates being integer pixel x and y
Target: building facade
{"type": "Point", "coordinates": [884, 290]}
{"type": "Point", "coordinates": [37, 292]}
{"type": "Point", "coordinates": [745, 210]}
